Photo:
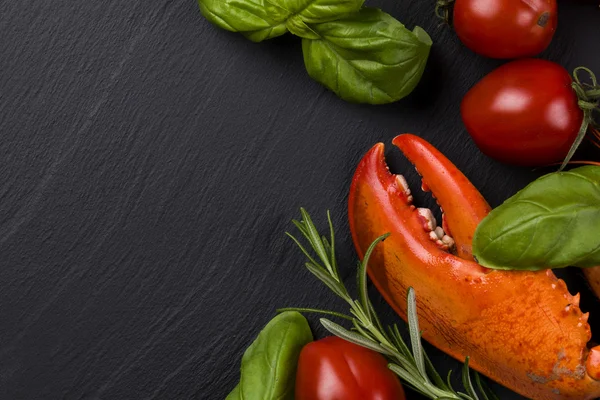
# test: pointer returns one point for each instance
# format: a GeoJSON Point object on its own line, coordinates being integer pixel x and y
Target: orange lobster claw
{"type": "Point", "coordinates": [520, 328]}
{"type": "Point", "coordinates": [593, 277]}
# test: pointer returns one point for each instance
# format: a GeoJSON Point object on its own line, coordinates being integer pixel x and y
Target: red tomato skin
{"type": "Point", "coordinates": [505, 28]}
{"type": "Point", "coordinates": [524, 113]}
{"type": "Point", "coordinates": [334, 369]}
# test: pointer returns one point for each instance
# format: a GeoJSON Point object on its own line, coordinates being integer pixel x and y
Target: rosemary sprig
{"type": "Point", "coordinates": [410, 363]}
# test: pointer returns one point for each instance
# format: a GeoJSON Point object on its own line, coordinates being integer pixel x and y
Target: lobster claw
{"type": "Point", "coordinates": [521, 328]}
{"type": "Point", "coordinates": [593, 277]}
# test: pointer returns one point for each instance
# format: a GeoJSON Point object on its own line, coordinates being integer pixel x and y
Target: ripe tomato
{"type": "Point", "coordinates": [524, 113]}
{"type": "Point", "coordinates": [505, 28]}
{"type": "Point", "coordinates": [334, 369]}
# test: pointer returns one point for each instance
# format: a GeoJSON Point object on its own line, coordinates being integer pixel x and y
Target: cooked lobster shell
{"type": "Point", "coordinates": [523, 329]}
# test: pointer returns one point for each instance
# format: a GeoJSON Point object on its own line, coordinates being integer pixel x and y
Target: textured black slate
{"type": "Point", "coordinates": [150, 165]}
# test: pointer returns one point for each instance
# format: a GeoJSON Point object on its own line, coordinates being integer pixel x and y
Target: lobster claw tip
{"type": "Point", "coordinates": [461, 213]}
{"type": "Point", "coordinates": [374, 171]}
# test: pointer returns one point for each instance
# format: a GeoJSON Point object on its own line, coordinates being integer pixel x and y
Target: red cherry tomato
{"type": "Point", "coordinates": [334, 369]}
{"type": "Point", "coordinates": [505, 28]}
{"type": "Point", "coordinates": [524, 113]}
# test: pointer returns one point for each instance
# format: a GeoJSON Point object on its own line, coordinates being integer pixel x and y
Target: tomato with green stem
{"type": "Point", "coordinates": [333, 369]}
{"type": "Point", "coordinates": [530, 112]}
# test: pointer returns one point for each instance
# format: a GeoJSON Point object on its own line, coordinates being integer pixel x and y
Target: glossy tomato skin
{"type": "Point", "coordinates": [505, 28]}
{"type": "Point", "coordinates": [524, 113]}
{"type": "Point", "coordinates": [334, 369]}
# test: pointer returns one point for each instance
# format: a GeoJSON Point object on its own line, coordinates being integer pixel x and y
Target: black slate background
{"type": "Point", "coordinates": [150, 165]}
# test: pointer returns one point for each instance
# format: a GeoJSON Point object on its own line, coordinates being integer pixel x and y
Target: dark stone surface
{"type": "Point", "coordinates": [150, 166]}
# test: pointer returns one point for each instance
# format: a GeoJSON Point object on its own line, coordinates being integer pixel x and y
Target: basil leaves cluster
{"type": "Point", "coordinates": [269, 365]}
{"type": "Point", "coordinates": [553, 223]}
{"type": "Point", "coordinates": [362, 54]}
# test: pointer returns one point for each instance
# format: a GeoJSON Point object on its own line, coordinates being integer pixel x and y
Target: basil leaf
{"type": "Point", "coordinates": [552, 223]}
{"type": "Point", "coordinates": [269, 365]}
{"type": "Point", "coordinates": [368, 57]}
{"type": "Point", "coordinates": [298, 13]}
{"type": "Point", "coordinates": [249, 17]}
{"type": "Point", "coordinates": [260, 20]}
{"type": "Point", "coordinates": [315, 11]}
{"type": "Point", "coordinates": [235, 394]}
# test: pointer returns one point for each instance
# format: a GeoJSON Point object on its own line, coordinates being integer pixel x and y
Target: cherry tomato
{"type": "Point", "coordinates": [505, 28]}
{"type": "Point", "coordinates": [334, 369]}
{"type": "Point", "coordinates": [524, 113]}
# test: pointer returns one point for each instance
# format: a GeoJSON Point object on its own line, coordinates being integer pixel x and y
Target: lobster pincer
{"type": "Point", "coordinates": [522, 329]}
{"type": "Point", "coordinates": [593, 277]}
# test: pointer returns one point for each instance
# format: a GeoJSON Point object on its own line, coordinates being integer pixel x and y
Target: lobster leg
{"type": "Point", "coordinates": [522, 329]}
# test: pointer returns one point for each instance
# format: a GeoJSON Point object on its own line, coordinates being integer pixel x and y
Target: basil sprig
{"type": "Point", "coordinates": [362, 54]}
{"type": "Point", "coordinates": [269, 365]}
{"type": "Point", "coordinates": [552, 223]}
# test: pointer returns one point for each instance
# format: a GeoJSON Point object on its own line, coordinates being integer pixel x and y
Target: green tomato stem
{"type": "Point", "coordinates": [443, 10]}
{"type": "Point", "coordinates": [589, 102]}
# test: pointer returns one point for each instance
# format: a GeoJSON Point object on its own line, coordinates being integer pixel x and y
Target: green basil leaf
{"type": "Point", "coordinates": [315, 11]}
{"type": "Point", "coordinates": [265, 19]}
{"type": "Point", "coordinates": [368, 57]}
{"type": "Point", "coordinates": [250, 17]}
{"type": "Point", "coordinates": [269, 365]}
{"type": "Point", "coordinates": [299, 13]}
{"type": "Point", "coordinates": [235, 394]}
{"type": "Point", "coordinates": [553, 223]}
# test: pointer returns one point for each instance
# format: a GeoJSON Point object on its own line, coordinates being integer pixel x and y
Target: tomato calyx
{"type": "Point", "coordinates": [443, 10]}
{"type": "Point", "coordinates": [589, 102]}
